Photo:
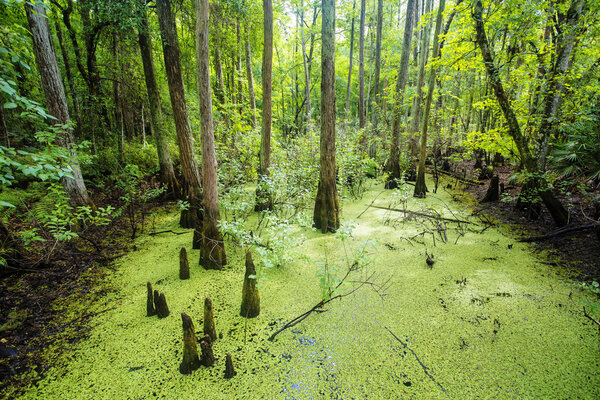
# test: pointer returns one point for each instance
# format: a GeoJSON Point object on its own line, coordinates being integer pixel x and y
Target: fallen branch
{"type": "Point", "coordinates": [168, 231]}
{"type": "Point", "coordinates": [594, 320]}
{"type": "Point", "coordinates": [423, 366]}
{"type": "Point", "coordinates": [420, 214]}
{"type": "Point", "coordinates": [466, 180]}
{"type": "Point", "coordinates": [559, 232]}
{"type": "Point", "coordinates": [360, 215]}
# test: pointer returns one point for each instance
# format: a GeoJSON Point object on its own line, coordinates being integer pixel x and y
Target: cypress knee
{"type": "Point", "coordinates": [493, 192]}
{"type": "Point", "coordinates": [160, 302]}
{"type": "Point", "coordinates": [191, 361]}
{"type": "Point", "coordinates": [150, 310]}
{"type": "Point", "coordinates": [229, 371]}
{"type": "Point", "coordinates": [250, 296]}
{"type": "Point", "coordinates": [209, 320]}
{"type": "Point", "coordinates": [184, 265]}
{"type": "Point", "coordinates": [208, 357]}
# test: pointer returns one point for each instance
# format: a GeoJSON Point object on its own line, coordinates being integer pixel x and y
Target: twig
{"type": "Point", "coordinates": [423, 366]}
{"type": "Point", "coordinates": [365, 210]}
{"type": "Point", "coordinates": [424, 215]}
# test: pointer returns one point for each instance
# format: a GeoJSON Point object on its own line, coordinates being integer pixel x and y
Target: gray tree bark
{"type": "Point", "coordinates": [394, 164]}
{"type": "Point", "coordinates": [55, 98]}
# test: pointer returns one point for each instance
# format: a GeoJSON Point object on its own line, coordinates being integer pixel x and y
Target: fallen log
{"type": "Point", "coordinates": [559, 232]}
{"type": "Point", "coordinates": [460, 178]}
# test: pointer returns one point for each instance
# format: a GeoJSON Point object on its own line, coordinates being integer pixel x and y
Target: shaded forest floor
{"type": "Point", "coordinates": [576, 252]}
{"type": "Point", "coordinates": [487, 318]}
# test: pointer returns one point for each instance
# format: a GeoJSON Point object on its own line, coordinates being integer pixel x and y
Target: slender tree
{"type": "Point", "coordinates": [361, 67]}
{"type": "Point", "coordinates": [327, 207]}
{"type": "Point", "coordinates": [167, 172]}
{"type": "Point", "coordinates": [212, 249]}
{"type": "Point", "coordinates": [350, 62]}
{"type": "Point", "coordinates": [264, 200]}
{"type": "Point", "coordinates": [250, 76]}
{"type": "Point", "coordinates": [55, 98]}
{"type": "Point", "coordinates": [395, 174]}
{"type": "Point", "coordinates": [376, 93]}
{"type": "Point", "coordinates": [420, 187]}
{"type": "Point", "coordinates": [558, 212]}
{"type": "Point", "coordinates": [191, 175]}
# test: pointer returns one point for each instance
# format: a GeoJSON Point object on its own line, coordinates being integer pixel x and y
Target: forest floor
{"type": "Point", "coordinates": [576, 252]}
{"type": "Point", "coordinates": [488, 319]}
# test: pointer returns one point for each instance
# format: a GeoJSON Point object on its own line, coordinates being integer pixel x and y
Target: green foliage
{"type": "Point", "coordinates": [578, 157]}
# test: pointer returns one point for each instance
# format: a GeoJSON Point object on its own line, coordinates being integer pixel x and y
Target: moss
{"type": "Point", "coordinates": [532, 344]}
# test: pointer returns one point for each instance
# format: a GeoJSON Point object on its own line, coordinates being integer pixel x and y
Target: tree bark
{"type": "Point", "coordinates": [250, 77]}
{"type": "Point", "coordinates": [394, 164]}
{"type": "Point", "coordinates": [555, 86]}
{"type": "Point", "coordinates": [327, 208]}
{"type": "Point", "coordinates": [420, 187]}
{"type": "Point", "coordinates": [351, 60]}
{"type": "Point", "coordinates": [361, 67]}
{"type": "Point", "coordinates": [264, 200]}
{"type": "Point", "coordinates": [308, 103]}
{"type": "Point", "coordinates": [558, 212]}
{"type": "Point", "coordinates": [376, 94]}
{"type": "Point", "coordinates": [4, 129]}
{"type": "Point", "coordinates": [212, 248]}
{"type": "Point", "coordinates": [55, 98]}
{"type": "Point", "coordinates": [187, 154]}
{"type": "Point", "coordinates": [167, 172]}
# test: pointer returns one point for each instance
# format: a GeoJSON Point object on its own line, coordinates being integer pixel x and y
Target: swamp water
{"type": "Point", "coordinates": [488, 320]}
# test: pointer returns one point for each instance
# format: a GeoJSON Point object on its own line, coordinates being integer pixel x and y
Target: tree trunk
{"type": "Point", "coordinates": [558, 212]}
{"type": "Point", "coordinates": [554, 89]}
{"type": "Point", "coordinates": [118, 112]}
{"type": "Point", "coordinates": [351, 60]}
{"type": "Point", "coordinates": [191, 174]}
{"type": "Point", "coordinates": [327, 208]}
{"type": "Point", "coordinates": [4, 129]}
{"type": "Point", "coordinates": [376, 95]}
{"type": "Point", "coordinates": [308, 105]}
{"type": "Point", "coordinates": [264, 200]}
{"type": "Point", "coordinates": [361, 67]}
{"type": "Point", "coordinates": [212, 248]}
{"type": "Point", "coordinates": [69, 73]}
{"type": "Point", "coordinates": [167, 172]}
{"type": "Point", "coordinates": [250, 77]}
{"type": "Point", "coordinates": [55, 98]}
{"type": "Point", "coordinates": [420, 187]}
{"type": "Point", "coordinates": [394, 164]}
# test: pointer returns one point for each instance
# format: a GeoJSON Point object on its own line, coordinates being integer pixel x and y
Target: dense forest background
{"type": "Point", "coordinates": [111, 108]}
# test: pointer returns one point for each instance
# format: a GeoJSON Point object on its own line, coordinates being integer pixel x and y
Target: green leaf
{"type": "Point", "coordinates": [10, 105]}
{"type": "Point", "coordinates": [6, 204]}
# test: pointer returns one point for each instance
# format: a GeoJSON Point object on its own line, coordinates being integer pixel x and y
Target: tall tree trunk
{"type": "Point", "coordinates": [420, 187]}
{"type": "Point", "coordinates": [264, 200]}
{"type": "Point", "coordinates": [187, 154]}
{"type": "Point", "coordinates": [118, 112]}
{"type": "Point", "coordinates": [394, 164]}
{"type": "Point", "coordinates": [558, 212]}
{"type": "Point", "coordinates": [308, 105]}
{"type": "Point", "coordinates": [554, 89]}
{"type": "Point", "coordinates": [212, 248]}
{"type": "Point", "coordinates": [221, 92]}
{"type": "Point", "coordinates": [55, 98]}
{"type": "Point", "coordinates": [327, 207]}
{"type": "Point", "coordinates": [376, 95]}
{"type": "Point", "coordinates": [361, 67]}
{"type": "Point", "coordinates": [423, 56]}
{"type": "Point", "coordinates": [351, 60]}
{"type": "Point", "coordinates": [238, 66]}
{"type": "Point", "coordinates": [250, 77]}
{"type": "Point", "coordinates": [167, 172]}
{"type": "Point", "coordinates": [69, 74]}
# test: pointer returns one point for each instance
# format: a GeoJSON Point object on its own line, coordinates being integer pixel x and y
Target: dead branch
{"type": "Point", "coordinates": [423, 366]}
{"type": "Point", "coordinates": [559, 232]}
{"type": "Point", "coordinates": [424, 215]}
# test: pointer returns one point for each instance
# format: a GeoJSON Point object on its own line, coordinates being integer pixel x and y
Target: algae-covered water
{"type": "Point", "coordinates": [488, 320]}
